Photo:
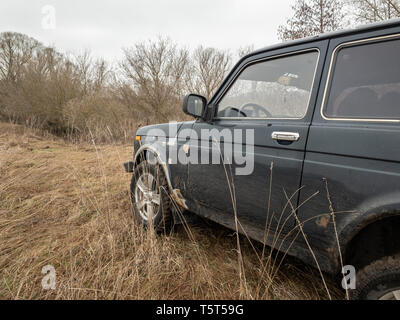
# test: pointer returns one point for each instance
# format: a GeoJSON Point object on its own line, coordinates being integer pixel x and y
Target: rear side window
{"type": "Point", "coordinates": [365, 82]}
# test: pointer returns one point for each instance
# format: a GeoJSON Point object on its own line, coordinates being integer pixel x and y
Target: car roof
{"type": "Point", "coordinates": [328, 35]}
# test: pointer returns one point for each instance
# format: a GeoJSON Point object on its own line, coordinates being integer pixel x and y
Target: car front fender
{"type": "Point", "coordinates": [155, 153]}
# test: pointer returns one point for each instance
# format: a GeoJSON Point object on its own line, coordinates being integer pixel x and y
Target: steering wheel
{"type": "Point", "coordinates": [257, 108]}
{"type": "Point", "coordinates": [236, 110]}
{"type": "Point", "coordinates": [239, 111]}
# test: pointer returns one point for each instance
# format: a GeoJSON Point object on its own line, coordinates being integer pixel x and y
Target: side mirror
{"type": "Point", "coordinates": [194, 105]}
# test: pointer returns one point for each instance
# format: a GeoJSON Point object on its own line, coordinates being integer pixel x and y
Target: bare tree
{"type": "Point", "coordinates": [101, 73]}
{"type": "Point", "coordinates": [83, 63]}
{"type": "Point", "coordinates": [209, 68]}
{"type": "Point", "coordinates": [368, 11]}
{"type": "Point", "coordinates": [156, 69]}
{"type": "Point", "coordinates": [93, 74]}
{"type": "Point", "coordinates": [312, 17]}
{"type": "Point", "coordinates": [16, 50]}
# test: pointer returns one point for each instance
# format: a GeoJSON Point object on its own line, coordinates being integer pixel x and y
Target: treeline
{"type": "Point", "coordinates": [83, 98]}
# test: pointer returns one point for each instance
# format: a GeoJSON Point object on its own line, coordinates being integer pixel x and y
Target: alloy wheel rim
{"type": "Point", "coordinates": [392, 295]}
{"type": "Point", "coordinates": [147, 196]}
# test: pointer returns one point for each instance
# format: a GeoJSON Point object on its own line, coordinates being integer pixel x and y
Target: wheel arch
{"type": "Point", "coordinates": [143, 153]}
{"type": "Point", "coordinates": [371, 236]}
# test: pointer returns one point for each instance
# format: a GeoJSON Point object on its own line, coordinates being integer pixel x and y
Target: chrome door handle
{"type": "Point", "coordinates": [286, 136]}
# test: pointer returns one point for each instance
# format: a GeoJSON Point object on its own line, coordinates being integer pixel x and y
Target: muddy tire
{"type": "Point", "coordinates": [378, 281]}
{"type": "Point", "coordinates": [151, 202]}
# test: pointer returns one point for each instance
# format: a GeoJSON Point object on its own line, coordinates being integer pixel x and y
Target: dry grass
{"type": "Point", "coordinates": [67, 205]}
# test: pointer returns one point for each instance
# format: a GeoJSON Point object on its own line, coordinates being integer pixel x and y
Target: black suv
{"type": "Point", "coordinates": [299, 148]}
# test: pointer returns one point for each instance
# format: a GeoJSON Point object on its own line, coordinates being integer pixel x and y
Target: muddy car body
{"type": "Point", "coordinates": [325, 114]}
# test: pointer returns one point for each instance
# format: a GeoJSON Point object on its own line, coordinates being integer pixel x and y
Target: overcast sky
{"type": "Point", "coordinates": [106, 26]}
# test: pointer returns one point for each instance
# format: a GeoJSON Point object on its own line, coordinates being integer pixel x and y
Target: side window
{"type": "Point", "coordinates": [365, 82]}
{"type": "Point", "coordinates": [276, 88]}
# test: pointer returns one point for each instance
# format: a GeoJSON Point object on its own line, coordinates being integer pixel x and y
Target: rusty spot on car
{"type": "Point", "coordinates": [179, 199]}
{"type": "Point", "coordinates": [323, 221]}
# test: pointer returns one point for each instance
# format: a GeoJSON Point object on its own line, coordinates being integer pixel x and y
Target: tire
{"type": "Point", "coordinates": [149, 189]}
{"type": "Point", "coordinates": [378, 281]}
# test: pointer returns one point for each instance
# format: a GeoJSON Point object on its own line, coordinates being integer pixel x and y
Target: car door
{"type": "Point", "coordinates": [260, 128]}
{"type": "Point", "coordinates": [353, 151]}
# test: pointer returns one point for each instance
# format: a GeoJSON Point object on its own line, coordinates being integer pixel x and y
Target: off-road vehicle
{"type": "Point", "coordinates": [319, 120]}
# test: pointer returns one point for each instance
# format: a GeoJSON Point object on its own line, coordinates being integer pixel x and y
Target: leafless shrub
{"type": "Point", "coordinates": [99, 117]}
{"type": "Point", "coordinates": [156, 70]}
{"type": "Point", "coordinates": [37, 81]}
{"type": "Point", "coordinates": [74, 95]}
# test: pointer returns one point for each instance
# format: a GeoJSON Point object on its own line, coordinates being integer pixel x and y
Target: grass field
{"type": "Point", "coordinates": [67, 205]}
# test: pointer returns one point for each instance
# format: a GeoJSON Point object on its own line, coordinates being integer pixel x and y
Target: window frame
{"type": "Point", "coordinates": [331, 72]}
{"type": "Point", "coordinates": [238, 73]}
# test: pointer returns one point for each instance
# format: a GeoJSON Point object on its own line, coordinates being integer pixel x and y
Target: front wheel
{"type": "Point", "coordinates": [152, 205]}
{"type": "Point", "coordinates": [379, 281]}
